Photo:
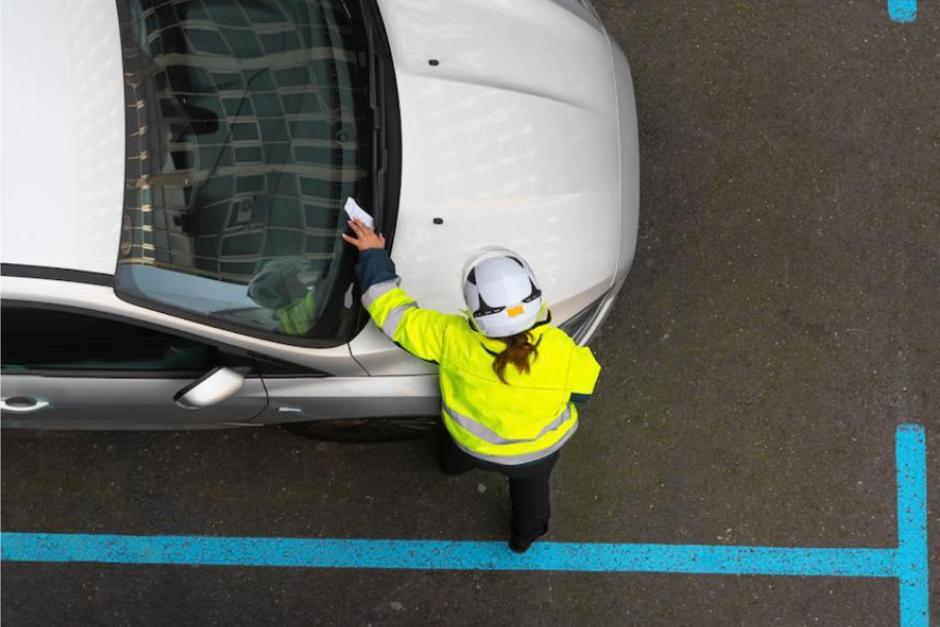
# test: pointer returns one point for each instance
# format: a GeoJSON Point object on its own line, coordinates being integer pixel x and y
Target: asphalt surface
{"type": "Point", "coordinates": [780, 320]}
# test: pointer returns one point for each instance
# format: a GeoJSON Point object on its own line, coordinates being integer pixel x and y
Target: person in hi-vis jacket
{"type": "Point", "coordinates": [509, 379]}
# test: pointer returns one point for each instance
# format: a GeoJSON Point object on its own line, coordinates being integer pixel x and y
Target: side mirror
{"type": "Point", "coordinates": [213, 387]}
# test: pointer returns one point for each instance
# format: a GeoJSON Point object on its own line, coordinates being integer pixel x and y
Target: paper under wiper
{"type": "Point", "coordinates": [355, 212]}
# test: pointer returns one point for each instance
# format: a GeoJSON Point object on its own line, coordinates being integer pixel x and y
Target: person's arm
{"type": "Point", "coordinates": [583, 371]}
{"type": "Point", "coordinates": [580, 399]}
{"type": "Point", "coordinates": [374, 266]}
{"type": "Point", "coordinates": [418, 331]}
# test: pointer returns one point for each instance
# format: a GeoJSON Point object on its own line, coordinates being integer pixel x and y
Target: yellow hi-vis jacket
{"type": "Point", "coordinates": [297, 317]}
{"type": "Point", "coordinates": [521, 422]}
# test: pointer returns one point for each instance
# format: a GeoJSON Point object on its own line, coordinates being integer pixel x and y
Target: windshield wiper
{"type": "Point", "coordinates": [377, 67]}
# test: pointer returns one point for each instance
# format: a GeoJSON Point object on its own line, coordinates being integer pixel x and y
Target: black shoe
{"type": "Point", "coordinates": [517, 546]}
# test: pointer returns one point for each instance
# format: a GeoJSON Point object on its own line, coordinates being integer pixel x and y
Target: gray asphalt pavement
{"type": "Point", "coordinates": [780, 320]}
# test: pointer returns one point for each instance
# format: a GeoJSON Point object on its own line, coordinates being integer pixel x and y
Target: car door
{"type": "Point", "coordinates": [75, 369]}
{"type": "Point", "coordinates": [301, 394]}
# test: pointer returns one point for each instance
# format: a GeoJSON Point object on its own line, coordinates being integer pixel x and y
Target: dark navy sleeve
{"type": "Point", "coordinates": [580, 399]}
{"type": "Point", "coordinates": [374, 266]}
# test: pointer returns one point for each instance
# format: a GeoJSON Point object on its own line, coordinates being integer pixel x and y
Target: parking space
{"type": "Point", "coordinates": [778, 325]}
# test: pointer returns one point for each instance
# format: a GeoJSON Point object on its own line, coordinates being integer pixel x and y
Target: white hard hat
{"type": "Point", "coordinates": [501, 292]}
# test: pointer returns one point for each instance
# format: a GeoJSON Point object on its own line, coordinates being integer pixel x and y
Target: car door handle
{"type": "Point", "coordinates": [22, 404]}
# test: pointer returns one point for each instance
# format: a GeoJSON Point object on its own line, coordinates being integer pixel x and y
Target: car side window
{"type": "Point", "coordinates": [35, 339]}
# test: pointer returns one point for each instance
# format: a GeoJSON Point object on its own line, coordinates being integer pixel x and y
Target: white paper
{"type": "Point", "coordinates": [354, 211]}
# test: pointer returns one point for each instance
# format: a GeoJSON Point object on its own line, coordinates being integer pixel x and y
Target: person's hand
{"type": "Point", "coordinates": [365, 238]}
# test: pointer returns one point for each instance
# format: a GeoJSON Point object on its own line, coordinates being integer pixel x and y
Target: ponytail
{"type": "Point", "coordinates": [517, 351]}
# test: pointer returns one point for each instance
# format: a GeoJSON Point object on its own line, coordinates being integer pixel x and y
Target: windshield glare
{"type": "Point", "coordinates": [248, 125]}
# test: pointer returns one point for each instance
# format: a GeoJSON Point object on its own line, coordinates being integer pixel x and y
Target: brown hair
{"type": "Point", "coordinates": [517, 351]}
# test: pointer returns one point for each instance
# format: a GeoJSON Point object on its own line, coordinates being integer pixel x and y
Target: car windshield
{"type": "Point", "coordinates": [248, 125]}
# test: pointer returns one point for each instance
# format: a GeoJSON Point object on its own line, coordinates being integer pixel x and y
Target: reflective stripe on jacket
{"type": "Point", "coordinates": [517, 423]}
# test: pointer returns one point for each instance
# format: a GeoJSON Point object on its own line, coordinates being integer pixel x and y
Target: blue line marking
{"type": "Point", "coordinates": [902, 10]}
{"type": "Point", "coordinates": [911, 456]}
{"type": "Point", "coordinates": [907, 562]}
{"type": "Point", "coordinates": [448, 555]}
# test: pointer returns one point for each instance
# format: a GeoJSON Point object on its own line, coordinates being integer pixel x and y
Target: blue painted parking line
{"type": "Point", "coordinates": [911, 455]}
{"type": "Point", "coordinates": [907, 562]}
{"type": "Point", "coordinates": [449, 555]}
{"type": "Point", "coordinates": [902, 10]}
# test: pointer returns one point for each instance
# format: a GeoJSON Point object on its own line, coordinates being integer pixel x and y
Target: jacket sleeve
{"type": "Point", "coordinates": [580, 399]}
{"type": "Point", "coordinates": [583, 372]}
{"type": "Point", "coordinates": [418, 331]}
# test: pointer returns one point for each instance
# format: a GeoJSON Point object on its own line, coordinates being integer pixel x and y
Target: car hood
{"type": "Point", "coordinates": [510, 137]}
{"type": "Point", "coordinates": [63, 135]}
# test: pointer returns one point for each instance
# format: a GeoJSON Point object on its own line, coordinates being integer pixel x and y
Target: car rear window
{"type": "Point", "coordinates": [248, 124]}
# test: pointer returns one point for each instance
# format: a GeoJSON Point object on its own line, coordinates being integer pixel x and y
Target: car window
{"type": "Point", "coordinates": [248, 124]}
{"type": "Point", "coordinates": [36, 339]}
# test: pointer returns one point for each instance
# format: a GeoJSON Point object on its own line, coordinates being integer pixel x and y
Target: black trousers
{"type": "Point", "coordinates": [528, 487]}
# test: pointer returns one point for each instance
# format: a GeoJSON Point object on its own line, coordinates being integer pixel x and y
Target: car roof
{"type": "Point", "coordinates": [63, 135]}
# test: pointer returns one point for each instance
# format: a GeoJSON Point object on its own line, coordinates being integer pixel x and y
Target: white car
{"type": "Point", "coordinates": [173, 175]}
